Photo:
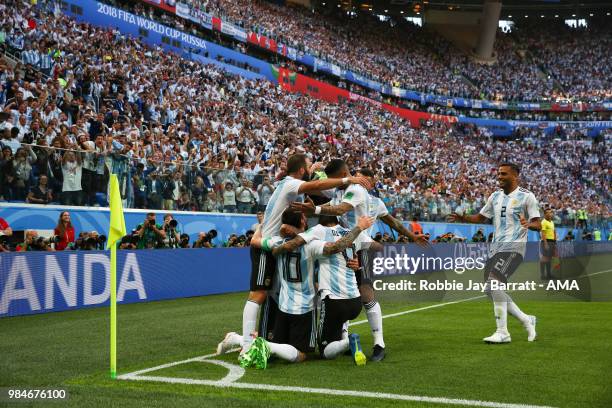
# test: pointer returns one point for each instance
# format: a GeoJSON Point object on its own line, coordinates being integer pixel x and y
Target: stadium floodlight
{"type": "Point", "coordinates": [542, 16]}
{"type": "Point", "coordinates": [509, 16]}
{"type": "Point", "coordinates": [556, 16]}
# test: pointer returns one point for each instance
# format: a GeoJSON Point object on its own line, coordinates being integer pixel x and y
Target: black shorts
{"type": "Point", "coordinates": [502, 265]}
{"type": "Point", "coordinates": [364, 274]}
{"type": "Point", "coordinates": [296, 330]}
{"type": "Point", "coordinates": [267, 318]}
{"type": "Point", "coordinates": [263, 268]}
{"type": "Point", "coordinates": [333, 314]}
{"type": "Point", "coordinates": [548, 252]}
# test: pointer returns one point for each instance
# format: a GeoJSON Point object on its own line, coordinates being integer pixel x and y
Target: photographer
{"type": "Point", "coordinates": [173, 235]}
{"type": "Point", "coordinates": [35, 243]}
{"type": "Point", "coordinates": [5, 232]}
{"type": "Point", "coordinates": [151, 234]}
{"type": "Point", "coordinates": [184, 241]}
{"type": "Point", "coordinates": [205, 239]}
{"type": "Point", "coordinates": [89, 241]}
{"type": "Point", "coordinates": [130, 241]}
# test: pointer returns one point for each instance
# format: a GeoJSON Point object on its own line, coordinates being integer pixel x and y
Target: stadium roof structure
{"type": "Point", "coordinates": [546, 8]}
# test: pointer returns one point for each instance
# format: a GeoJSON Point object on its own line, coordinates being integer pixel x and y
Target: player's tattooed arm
{"type": "Point", "coordinates": [346, 241]}
{"type": "Point", "coordinates": [288, 231]}
{"type": "Point", "coordinates": [289, 246]}
{"type": "Point", "coordinates": [339, 209]}
{"type": "Point", "coordinates": [309, 208]}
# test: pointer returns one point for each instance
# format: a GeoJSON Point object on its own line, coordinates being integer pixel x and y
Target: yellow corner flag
{"type": "Point", "coordinates": [117, 222]}
{"type": "Point", "coordinates": [116, 231]}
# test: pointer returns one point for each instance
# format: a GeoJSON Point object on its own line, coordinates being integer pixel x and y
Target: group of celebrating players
{"type": "Point", "coordinates": [297, 271]}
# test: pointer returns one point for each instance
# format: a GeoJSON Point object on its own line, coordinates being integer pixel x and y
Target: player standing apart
{"type": "Point", "coordinates": [507, 208]}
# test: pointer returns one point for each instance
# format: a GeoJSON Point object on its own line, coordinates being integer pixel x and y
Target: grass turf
{"type": "Point", "coordinates": [436, 352]}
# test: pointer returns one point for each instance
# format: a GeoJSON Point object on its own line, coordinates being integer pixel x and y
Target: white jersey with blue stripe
{"type": "Point", "coordinates": [285, 193]}
{"type": "Point", "coordinates": [505, 211]}
{"type": "Point", "coordinates": [335, 279]}
{"type": "Point", "coordinates": [295, 272]}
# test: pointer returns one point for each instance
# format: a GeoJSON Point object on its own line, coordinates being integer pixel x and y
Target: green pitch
{"type": "Point", "coordinates": [435, 352]}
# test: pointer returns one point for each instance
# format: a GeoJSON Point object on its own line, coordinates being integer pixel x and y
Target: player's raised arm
{"type": "Point", "coordinates": [469, 219]}
{"type": "Point", "coordinates": [363, 223]}
{"type": "Point", "coordinates": [397, 225]}
{"type": "Point", "coordinates": [309, 208]}
{"type": "Point", "coordinates": [327, 184]}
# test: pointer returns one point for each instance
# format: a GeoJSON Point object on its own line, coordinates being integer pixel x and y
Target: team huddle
{"type": "Point", "coordinates": [308, 283]}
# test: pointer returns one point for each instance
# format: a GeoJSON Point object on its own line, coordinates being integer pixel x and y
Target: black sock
{"type": "Point", "coordinates": [542, 267]}
{"type": "Point", "coordinates": [548, 268]}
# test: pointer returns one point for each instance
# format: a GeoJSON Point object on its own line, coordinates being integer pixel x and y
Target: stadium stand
{"type": "Point", "coordinates": [178, 132]}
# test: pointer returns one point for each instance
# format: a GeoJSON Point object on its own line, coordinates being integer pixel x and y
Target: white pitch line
{"type": "Point", "coordinates": [229, 381]}
{"type": "Point", "coordinates": [595, 273]}
{"type": "Point", "coordinates": [330, 391]}
{"type": "Point", "coordinates": [419, 309]}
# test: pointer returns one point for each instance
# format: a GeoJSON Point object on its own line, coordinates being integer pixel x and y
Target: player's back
{"type": "Point", "coordinates": [285, 193]}
{"type": "Point", "coordinates": [335, 278]}
{"type": "Point", "coordinates": [296, 276]}
{"type": "Point", "coordinates": [363, 205]}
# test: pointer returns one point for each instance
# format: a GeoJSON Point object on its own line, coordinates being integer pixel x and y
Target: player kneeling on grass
{"type": "Point", "coordinates": [338, 290]}
{"type": "Point", "coordinates": [294, 330]}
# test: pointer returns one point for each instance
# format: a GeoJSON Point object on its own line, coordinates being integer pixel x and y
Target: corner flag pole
{"type": "Point", "coordinates": [113, 311]}
{"type": "Point", "coordinates": [115, 232]}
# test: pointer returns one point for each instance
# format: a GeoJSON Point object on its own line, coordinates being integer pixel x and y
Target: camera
{"type": "Point", "coordinates": [130, 241]}
{"type": "Point", "coordinates": [184, 241]}
{"type": "Point", "coordinates": [205, 240]}
{"type": "Point", "coordinates": [42, 243]}
{"type": "Point", "coordinates": [89, 242]}
{"type": "Point", "coordinates": [173, 224]}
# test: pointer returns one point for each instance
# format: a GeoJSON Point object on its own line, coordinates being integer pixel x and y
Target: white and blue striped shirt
{"type": "Point", "coordinates": [505, 211]}
{"type": "Point", "coordinates": [285, 193]}
{"type": "Point", "coordinates": [335, 278]}
{"type": "Point", "coordinates": [295, 272]}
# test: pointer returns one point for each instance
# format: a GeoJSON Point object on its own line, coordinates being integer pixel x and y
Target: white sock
{"type": "Point", "coordinates": [235, 340]}
{"type": "Point", "coordinates": [374, 315]}
{"type": "Point", "coordinates": [335, 348]}
{"type": "Point", "coordinates": [345, 327]}
{"type": "Point", "coordinates": [249, 321]}
{"type": "Point", "coordinates": [285, 351]}
{"type": "Point", "coordinates": [515, 311]}
{"type": "Point", "coordinates": [500, 309]}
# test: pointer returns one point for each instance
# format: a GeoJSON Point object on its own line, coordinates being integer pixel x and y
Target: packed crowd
{"type": "Point", "coordinates": [201, 139]}
{"type": "Point", "coordinates": [400, 53]}
{"type": "Point", "coordinates": [577, 58]}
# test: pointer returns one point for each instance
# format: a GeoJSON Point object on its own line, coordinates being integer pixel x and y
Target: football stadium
{"type": "Point", "coordinates": [306, 203]}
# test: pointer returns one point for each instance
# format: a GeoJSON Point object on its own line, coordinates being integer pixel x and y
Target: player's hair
{"type": "Point", "coordinates": [292, 217]}
{"type": "Point", "coordinates": [366, 172]}
{"type": "Point", "coordinates": [295, 163]}
{"type": "Point", "coordinates": [334, 167]}
{"type": "Point", "coordinates": [328, 219]}
{"type": "Point", "coordinates": [513, 166]}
